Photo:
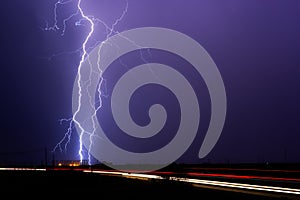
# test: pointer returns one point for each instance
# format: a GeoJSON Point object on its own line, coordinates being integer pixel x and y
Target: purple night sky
{"type": "Point", "coordinates": [254, 43]}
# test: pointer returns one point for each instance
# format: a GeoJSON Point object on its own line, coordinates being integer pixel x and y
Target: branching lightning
{"type": "Point", "coordinates": [79, 75]}
{"type": "Point", "coordinates": [85, 112]}
{"type": "Point", "coordinates": [84, 48]}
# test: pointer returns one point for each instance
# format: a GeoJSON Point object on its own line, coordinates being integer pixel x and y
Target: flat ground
{"type": "Point", "coordinates": [71, 183]}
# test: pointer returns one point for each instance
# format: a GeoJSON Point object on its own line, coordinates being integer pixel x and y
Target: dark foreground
{"type": "Point", "coordinates": [70, 183]}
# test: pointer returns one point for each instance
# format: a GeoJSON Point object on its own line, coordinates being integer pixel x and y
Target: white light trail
{"type": "Point", "coordinates": [239, 185]}
{"type": "Point", "coordinates": [264, 188]}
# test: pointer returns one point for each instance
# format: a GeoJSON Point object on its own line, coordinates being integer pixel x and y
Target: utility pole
{"type": "Point", "coordinates": [53, 160]}
{"type": "Point", "coordinates": [46, 157]}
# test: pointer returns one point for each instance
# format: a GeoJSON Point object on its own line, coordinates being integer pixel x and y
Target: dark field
{"type": "Point", "coordinates": [70, 183]}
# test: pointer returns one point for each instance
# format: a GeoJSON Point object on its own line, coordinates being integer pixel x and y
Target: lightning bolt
{"type": "Point", "coordinates": [110, 30]}
{"type": "Point", "coordinates": [82, 131]}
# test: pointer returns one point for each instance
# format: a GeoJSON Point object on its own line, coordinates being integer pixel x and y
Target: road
{"type": "Point", "coordinates": [189, 182]}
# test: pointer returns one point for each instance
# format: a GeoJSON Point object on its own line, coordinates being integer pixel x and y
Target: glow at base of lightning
{"type": "Point", "coordinates": [80, 83]}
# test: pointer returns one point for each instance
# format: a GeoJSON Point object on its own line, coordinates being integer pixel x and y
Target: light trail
{"type": "Point", "coordinates": [21, 169]}
{"type": "Point", "coordinates": [239, 185]}
{"type": "Point", "coordinates": [284, 190]}
{"type": "Point", "coordinates": [194, 181]}
{"type": "Point", "coordinates": [193, 174]}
